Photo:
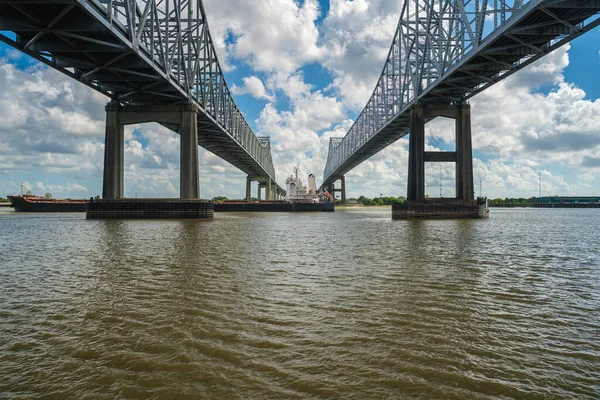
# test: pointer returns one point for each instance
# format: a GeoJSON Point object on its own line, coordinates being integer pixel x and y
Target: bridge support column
{"type": "Point", "coordinates": [248, 188]}
{"type": "Point", "coordinates": [114, 154]}
{"type": "Point", "coordinates": [189, 180]}
{"type": "Point", "coordinates": [464, 154]}
{"type": "Point", "coordinates": [462, 157]}
{"type": "Point", "coordinates": [416, 154]}
{"type": "Point", "coordinates": [269, 190]}
{"type": "Point", "coordinates": [185, 116]}
{"type": "Point", "coordinates": [331, 190]}
{"type": "Point", "coordinates": [260, 186]}
{"type": "Point", "coordinates": [343, 179]}
{"type": "Point", "coordinates": [464, 205]}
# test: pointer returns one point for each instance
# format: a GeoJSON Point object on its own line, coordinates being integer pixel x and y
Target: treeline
{"type": "Point", "coordinates": [3, 200]}
{"type": "Point", "coordinates": [378, 201]}
{"type": "Point", "coordinates": [512, 200]}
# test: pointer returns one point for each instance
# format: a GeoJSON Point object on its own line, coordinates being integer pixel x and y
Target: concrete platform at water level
{"type": "Point", "coordinates": [271, 206]}
{"type": "Point", "coordinates": [441, 209]}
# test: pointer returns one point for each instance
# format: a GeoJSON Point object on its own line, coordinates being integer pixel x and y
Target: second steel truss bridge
{"type": "Point", "coordinates": [444, 52]}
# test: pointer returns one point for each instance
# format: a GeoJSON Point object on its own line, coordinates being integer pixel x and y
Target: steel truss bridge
{"type": "Point", "coordinates": [141, 53]}
{"type": "Point", "coordinates": [445, 52]}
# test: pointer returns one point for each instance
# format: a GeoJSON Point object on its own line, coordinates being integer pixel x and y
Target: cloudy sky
{"type": "Point", "coordinates": [301, 71]}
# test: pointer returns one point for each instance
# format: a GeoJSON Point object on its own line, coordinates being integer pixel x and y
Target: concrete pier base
{"type": "Point", "coordinates": [441, 209]}
{"type": "Point", "coordinates": [462, 157]}
{"type": "Point", "coordinates": [149, 208]}
{"type": "Point", "coordinates": [417, 205]}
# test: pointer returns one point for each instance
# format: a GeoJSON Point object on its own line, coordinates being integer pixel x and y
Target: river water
{"type": "Point", "coordinates": [344, 305]}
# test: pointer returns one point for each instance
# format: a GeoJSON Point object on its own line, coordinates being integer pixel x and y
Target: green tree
{"type": "Point", "coordinates": [29, 193]}
{"type": "Point", "coordinates": [48, 195]}
{"type": "Point", "coordinates": [219, 199]}
{"type": "Point", "coordinates": [97, 197]}
{"type": "Point", "coordinates": [367, 201]}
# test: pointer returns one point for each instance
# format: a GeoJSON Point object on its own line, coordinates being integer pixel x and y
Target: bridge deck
{"type": "Point", "coordinates": [533, 31]}
{"type": "Point", "coordinates": [144, 57]}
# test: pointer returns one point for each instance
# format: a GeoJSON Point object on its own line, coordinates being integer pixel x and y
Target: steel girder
{"type": "Point", "coordinates": [445, 52]}
{"type": "Point", "coordinates": [140, 52]}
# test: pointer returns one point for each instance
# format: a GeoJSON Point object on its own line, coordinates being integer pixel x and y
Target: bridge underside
{"type": "Point", "coordinates": [532, 32]}
{"type": "Point", "coordinates": [129, 63]}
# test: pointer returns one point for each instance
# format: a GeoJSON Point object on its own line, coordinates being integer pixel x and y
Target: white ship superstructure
{"type": "Point", "coordinates": [297, 192]}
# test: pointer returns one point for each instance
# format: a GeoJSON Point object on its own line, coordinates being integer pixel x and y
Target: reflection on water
{"type": "Point", "coordinates": [343, 305]}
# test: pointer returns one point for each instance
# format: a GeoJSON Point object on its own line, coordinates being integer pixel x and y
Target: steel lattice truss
{"type": "Point", "coordinates": [140, 52]}
{"type": "Point", "coordinates": [445, 52]}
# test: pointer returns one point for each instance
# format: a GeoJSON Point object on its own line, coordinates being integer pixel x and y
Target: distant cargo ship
{"type": "Point", "coordinates": [298, 198]}
{"type": "Point", "coordinates": [29, 203]}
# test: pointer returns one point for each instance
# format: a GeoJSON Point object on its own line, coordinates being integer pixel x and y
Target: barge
{"type": "Point", "coordinates": [30, 203]}
{"type": "Point", "coordinates": [271, 206]}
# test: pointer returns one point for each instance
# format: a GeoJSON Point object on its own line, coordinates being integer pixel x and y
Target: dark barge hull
{"type": "Point", "coordinates": [280, 206]}
{"type": "Point", "coordinates": [441, 209]}
{"type": "Point", "coordinates": [149, 209]}
{"type": "Point", "coordinates": [22, 205]}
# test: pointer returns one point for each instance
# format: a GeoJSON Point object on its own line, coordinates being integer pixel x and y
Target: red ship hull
{"type": "Point", "coordinates": [41, 204]}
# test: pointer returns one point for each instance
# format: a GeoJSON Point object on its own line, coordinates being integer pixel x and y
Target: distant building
{"type": "Point", "coordinates": [565, 199]}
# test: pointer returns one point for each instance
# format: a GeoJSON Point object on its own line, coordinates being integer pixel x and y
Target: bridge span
{"type": "Point", "coordinates": [156, 61]}
{"type": "Point", "coordinates": [444, 53]}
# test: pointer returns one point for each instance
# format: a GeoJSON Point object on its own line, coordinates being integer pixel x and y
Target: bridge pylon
{"type": "Point", "coordinates": [342, 190]}
{"type": "Point", "coordinates": [462, 157]}
{"type": "Point", "coordinates": [183, 118]}
{"type": "Point", "coordinates": [272, 191]}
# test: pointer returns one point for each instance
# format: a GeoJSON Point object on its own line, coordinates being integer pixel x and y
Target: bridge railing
{"type": "Point", "coordinates": [431, 37]}
{"type": "Point", "coordinates": [173, 36]}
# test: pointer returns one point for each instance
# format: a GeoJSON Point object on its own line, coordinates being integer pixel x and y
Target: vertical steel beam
{"type": "Point", "coordinates": [416, 155]}
{"type": "Point", "coordinates": [114, 154]}
{"type": "Point", "coordinates": [343, 179]}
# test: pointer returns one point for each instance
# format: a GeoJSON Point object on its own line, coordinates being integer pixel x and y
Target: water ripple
{"type": "Point", "coordinates": [348, 305]}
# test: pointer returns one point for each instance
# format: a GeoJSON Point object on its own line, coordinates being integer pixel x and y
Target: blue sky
{"type": "Point", "coordinates": [301, 73]}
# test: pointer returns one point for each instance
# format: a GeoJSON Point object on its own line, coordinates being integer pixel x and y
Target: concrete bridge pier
{"type": "Point", "coordinates": [269, 190]}
{"type": "Point", "coordinates": [464, 205]}
{"type": "Point", "coordinates": [462, 157]}
{"type": "Point", "coordinates": [248, 188]}
{"type": "Point", "coordinates": [183, 116]}
{"type": "Point", "coordinates": [260, 187]}
{"type": "Point", "coordinates": [114, 155]}
{"type": "Point", "coordinates": [331, 189]}
{"type": "Point", "coordinates": [342, 190]}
